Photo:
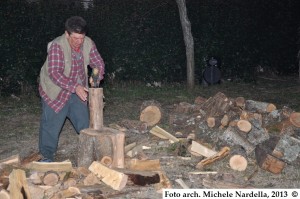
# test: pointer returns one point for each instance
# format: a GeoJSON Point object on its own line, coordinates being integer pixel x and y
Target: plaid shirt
{"type": "Point", "coordinates": [77, 74]}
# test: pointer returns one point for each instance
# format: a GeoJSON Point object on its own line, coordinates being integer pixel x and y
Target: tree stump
{"type": "Point", "coordinates": [98, 142]}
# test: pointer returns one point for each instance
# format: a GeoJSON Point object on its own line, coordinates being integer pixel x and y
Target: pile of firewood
{"type": "Point", "coordinates": [58, 180]}
{"type": "Point", "coordinates": [249, 128]}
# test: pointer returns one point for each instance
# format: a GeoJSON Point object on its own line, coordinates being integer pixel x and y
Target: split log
{"type": "Point", "coordinates": [217, 105]}
{"type": "Point", "coordinates": [18, 186]}
{"type": "Point", "coordinates": [53, 166]}
{"type": "Point", "coordinates": [268, 162]}
{"type": "Point", "coordinates": [244, 126]}
{"type": "Point", "coordinates": [260, 107]}
{"type": "Point", "coordinates": [277, 116]}
{"type": "Point", "coordinates": [202, 150]}
{"type": "Point", "coordinates": [233, 137]}
{"type": "Point", "coordinates": [238, 158]}
{"type": "Point", "coordinates": [129, 147]}
{"type": "Point", "coordinates": [163, 134]}
{"type": "Point", "coordinates": [257, 135]}
{"type": "Point", "coordinates": [135, 151]}
{"type": "Point", "coordinates": [151, 112]}
{"type": "Point", "coordinates": [96, 108]}
{"type": "Point", "coordinates": [98, 141]}
{"type": "Point", "coordinates": [114, 179]}
{"type": "Point", "coordinates": [221, 154]}
{"type": "Point", "coordinates": [289, 147]}
{"type": "Point", "coordinates": [96, 144]}
{"type": "Point", "coordinates": [144, 165]}
{"type": "Point", "coordinates": [15, 159]}
{"type": "Point", "coordinates": [50, 178]}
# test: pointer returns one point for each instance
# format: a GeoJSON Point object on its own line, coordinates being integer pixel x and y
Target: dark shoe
{"type": "Point", "coordinates": [45, 160]}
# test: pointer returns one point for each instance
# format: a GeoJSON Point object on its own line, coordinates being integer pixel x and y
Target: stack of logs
{"type": "Point", "coordinates": [248, 127]}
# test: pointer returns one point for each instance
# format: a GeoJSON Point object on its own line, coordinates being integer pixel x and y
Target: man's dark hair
{"type": "Point", "coordinates": [76, 24]}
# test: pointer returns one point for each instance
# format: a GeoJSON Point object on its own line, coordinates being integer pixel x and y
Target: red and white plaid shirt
{"type": "Point", "coordinates": [77, 74]}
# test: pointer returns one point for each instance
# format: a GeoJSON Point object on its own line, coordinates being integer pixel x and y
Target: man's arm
{"type": "Point", "coordinates": [97, 61]}
{"type": "Point", "coordinates": [56, 68]}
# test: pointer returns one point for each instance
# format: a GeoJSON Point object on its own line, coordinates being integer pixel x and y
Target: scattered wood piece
{"type": "Point", "coordinates": [114, 179]}
{"type": "Point", "coordinates": [238, 158]}
{"type": "Point", "coordinates": [219, 155]}
{"type": "Point", "coordinates": [50, 166]}
{"type": "Point", "coordinates": [18, 186]}
{"type": "Point", "coordinates": [202, 150]}
{"type": "Point", "coordinates": [163, 134]}
{"type": "Point", "coordinates": [164, 183]}
{"type": "Point", "coordinates": [15, 159]}
{"type": "Point", "coordinates": [144, 165]}
{"type": "Point", "coordinates": [129, 147]}
{"type": "Point", "coordinates": [135, 151]}
{"type": "Point", "coordinates": [182, 183]}
{"type": "Point", "coordinates": [244, 126]}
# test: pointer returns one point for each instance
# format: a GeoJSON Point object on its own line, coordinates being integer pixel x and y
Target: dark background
{"type": "Point", "coordinates": [141, 40]}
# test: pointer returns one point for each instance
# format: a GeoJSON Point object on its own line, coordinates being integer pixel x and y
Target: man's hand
{"type": "Point", "coordinates": [82, 92]}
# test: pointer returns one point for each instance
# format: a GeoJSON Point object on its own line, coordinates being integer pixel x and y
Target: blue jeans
{"type": "Point", "coordinates": [52, 123]}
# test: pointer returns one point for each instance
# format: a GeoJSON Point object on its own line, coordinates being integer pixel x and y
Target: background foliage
{"type": "Point", "coordinates": [142, 40]}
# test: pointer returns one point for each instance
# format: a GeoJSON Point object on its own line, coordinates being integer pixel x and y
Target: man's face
{"type": "Point", "coordinates": [75, 40]}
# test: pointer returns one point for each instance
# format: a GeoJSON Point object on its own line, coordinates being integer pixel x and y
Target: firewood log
{"type": "Point", "coordinates": [50, 178]}
{"type": "Point", "coordinates": [244, 126]}
{"type": "Point", "coordinates": [151, 112]}
{"type": "Point", "coordinates": [240, 102]}
{"type": "Point", "coordinates": [233, 137]}
{"type": "Point", "coordinates": [238, 158]}
{"type": "Point", "coordinates": [260, 107]}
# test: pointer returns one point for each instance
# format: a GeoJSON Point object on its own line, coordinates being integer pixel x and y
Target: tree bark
{"type": "Point", "coordinates": [189, 43]}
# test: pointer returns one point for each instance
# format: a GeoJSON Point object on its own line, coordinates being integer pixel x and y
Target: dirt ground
{"type": "Point", "coordinates": [19, 135]}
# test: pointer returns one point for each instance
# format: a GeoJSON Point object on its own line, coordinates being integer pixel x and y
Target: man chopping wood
{"type": "Point", "coordinates": [64, 84]}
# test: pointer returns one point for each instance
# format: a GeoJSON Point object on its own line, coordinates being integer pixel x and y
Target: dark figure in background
{"type": "Point", "coordinates": [64, 84]}
{"type": "Point", "coordinates": [212, 73]}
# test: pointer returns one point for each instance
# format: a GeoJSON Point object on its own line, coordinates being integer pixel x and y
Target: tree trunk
{"type": "Point", "coordinates": [189, 43]}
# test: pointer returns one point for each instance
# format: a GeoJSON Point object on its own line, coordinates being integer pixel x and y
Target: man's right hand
{"type": "Point", "coordinates": [82, 92]}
